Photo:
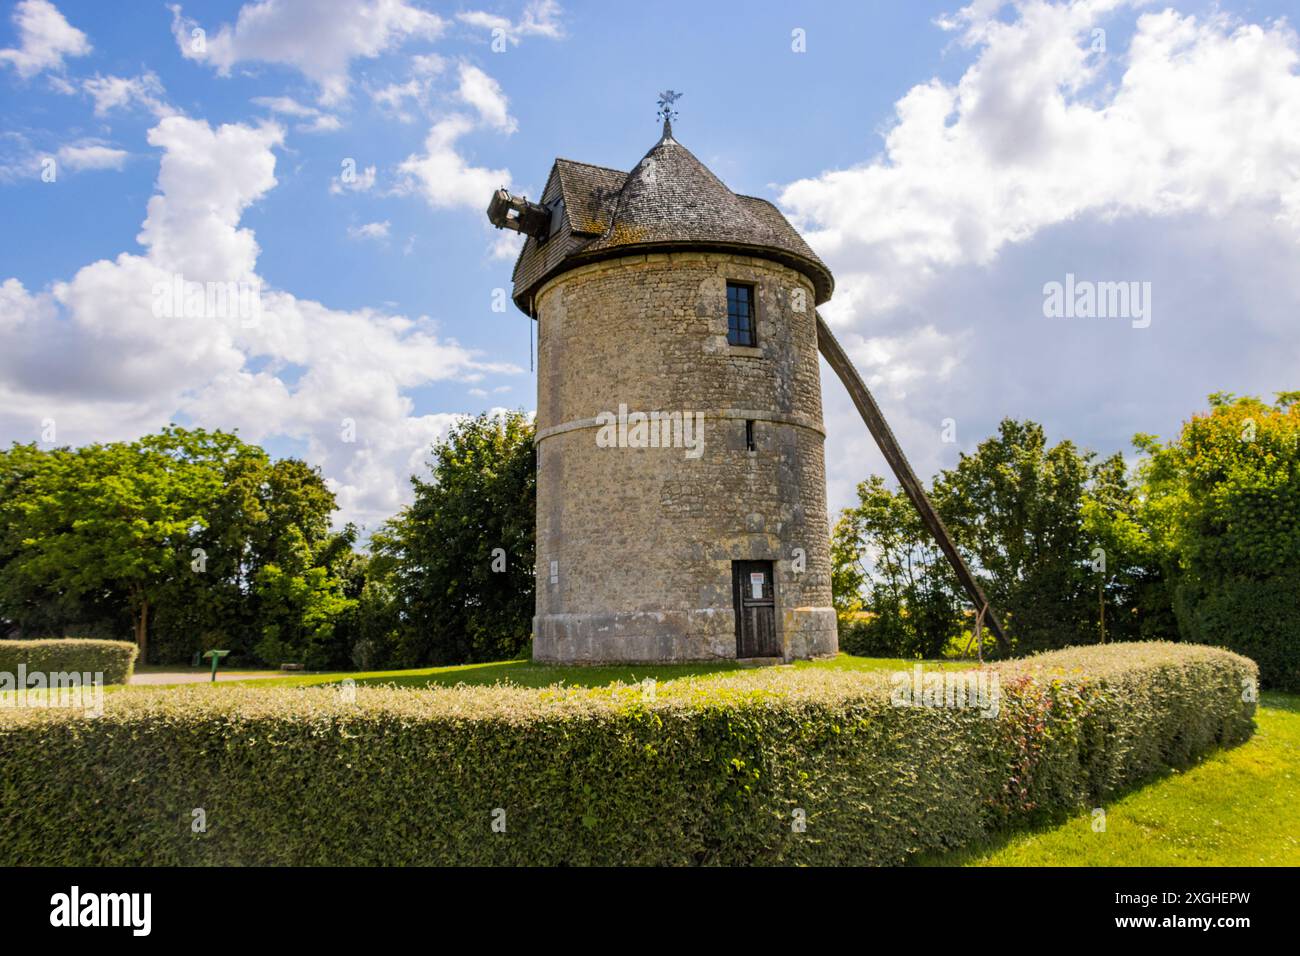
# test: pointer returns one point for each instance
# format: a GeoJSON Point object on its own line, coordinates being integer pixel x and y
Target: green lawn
{"type": "Point", "coordinates": [1238, 807]}
{"type": "Point", "coordinates": [523, 673]}
{"type": "Point", "coordinates": [527, 674]}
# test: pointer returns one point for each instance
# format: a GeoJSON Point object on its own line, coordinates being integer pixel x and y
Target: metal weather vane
{"type": "Point", "coordinates": [666, 100]}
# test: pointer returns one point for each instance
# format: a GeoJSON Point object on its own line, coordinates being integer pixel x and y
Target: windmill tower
{"type": "Point", "coordinates": [681, 493]}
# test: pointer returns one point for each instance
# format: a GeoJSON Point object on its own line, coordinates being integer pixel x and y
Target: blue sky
{"type": "Point", "coordinates": [946, 161]}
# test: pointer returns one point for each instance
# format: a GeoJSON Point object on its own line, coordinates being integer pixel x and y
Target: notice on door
{"type": "Point", "coordinates": [756, 585]}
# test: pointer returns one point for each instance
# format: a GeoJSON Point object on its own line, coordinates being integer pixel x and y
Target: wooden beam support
{"type": "Point", "coordinates": [893, 452]}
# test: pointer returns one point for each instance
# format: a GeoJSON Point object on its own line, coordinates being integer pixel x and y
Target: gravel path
{"type": "Point", "coordinates": [190, 677]}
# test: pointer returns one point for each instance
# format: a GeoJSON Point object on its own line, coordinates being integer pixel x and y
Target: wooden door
{"type": "Point", "coordinates": [755, 600]}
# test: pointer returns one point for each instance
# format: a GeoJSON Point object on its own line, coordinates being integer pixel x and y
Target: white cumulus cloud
{"type": "Point", "coordinates": [312, 119]}
{"type": "Point", "coordinates": [443, 177]}
{"type": "Point", "coordinates": [371, 230]}
{"type": "Point", "coordinates": [91, 157]}
{"type": "Point", "coordinates": [111, 352]}
{"type": "Point", "coordinates": [1171, 157]}
{"type": "Point", "coordinates": [484, 94]}
{"type": "Point", "coordinates": [540, 18]}
{"type": "Point", "coordinates": [1205, 117]}
{"type": "Point", "coordinates": [45, 37]}
{"type": "Point", "coordinates": [319, 38]}
{"type": "Point", "coordinates": [121, 92]}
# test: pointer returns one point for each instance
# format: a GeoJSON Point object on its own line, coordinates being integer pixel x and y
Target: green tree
{"type": "Point", "coordinates": [1133, 588]}
{"type": "Point", "coordinates": [168, 532]}
{"type": "Point", "coordinates": [462, 552]}
{"type": "Point", "coordinates": [300, 610]}
{"type": "Point", "coordinates": [114, 519]}
{"type": "Point", "coordinates": [369, 629]}
{"type": "Point", "coordinates": [1016, 506]}
{"type": "Point", "coordinates": [1060, 541]}
{"type": "Point", "coordinates": [1223, 500]}
{"type": "Point", "coordinates": [905, 602]}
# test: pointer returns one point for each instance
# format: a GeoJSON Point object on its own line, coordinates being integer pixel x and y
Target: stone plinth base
{"type": "Point", "coordinates": [645, 637]}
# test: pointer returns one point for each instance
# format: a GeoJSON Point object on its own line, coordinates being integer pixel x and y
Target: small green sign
{"type": "Point", "coordinates": [216, 656]}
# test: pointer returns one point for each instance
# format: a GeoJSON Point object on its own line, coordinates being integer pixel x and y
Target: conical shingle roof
{"type": "Point", "coordinates": [669, 202]}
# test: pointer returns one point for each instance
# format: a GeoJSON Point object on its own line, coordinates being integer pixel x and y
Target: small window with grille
{"type": "Point", "coordinates": [742, 324]}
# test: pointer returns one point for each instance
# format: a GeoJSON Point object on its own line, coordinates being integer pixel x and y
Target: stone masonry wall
{"type": "Point", "coordinates": [642, 539]}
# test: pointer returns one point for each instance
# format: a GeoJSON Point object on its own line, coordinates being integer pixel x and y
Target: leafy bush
{"type": "Point", "coordinates": [114, 659]}
{"type": "Point", "coordinates": [782, 766]}
{"type": "Point", "coordinates": [1259, 618]}
{"type": "Point", "coordinates": [1226, 500]}
{"type": "Point", "coordinates": [862, 635]}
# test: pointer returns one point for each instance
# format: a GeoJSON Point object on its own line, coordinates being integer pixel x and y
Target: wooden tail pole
{"type": "Point", "coordinates": [893, 452]}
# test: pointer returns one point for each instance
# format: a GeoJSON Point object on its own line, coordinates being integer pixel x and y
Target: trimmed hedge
{"type": "Point", "coordinates": [114, 659]}
{"type": "Point", "coordinates": [716, 770]}
{"type": "Point", "coordinates": [1258, 618]}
